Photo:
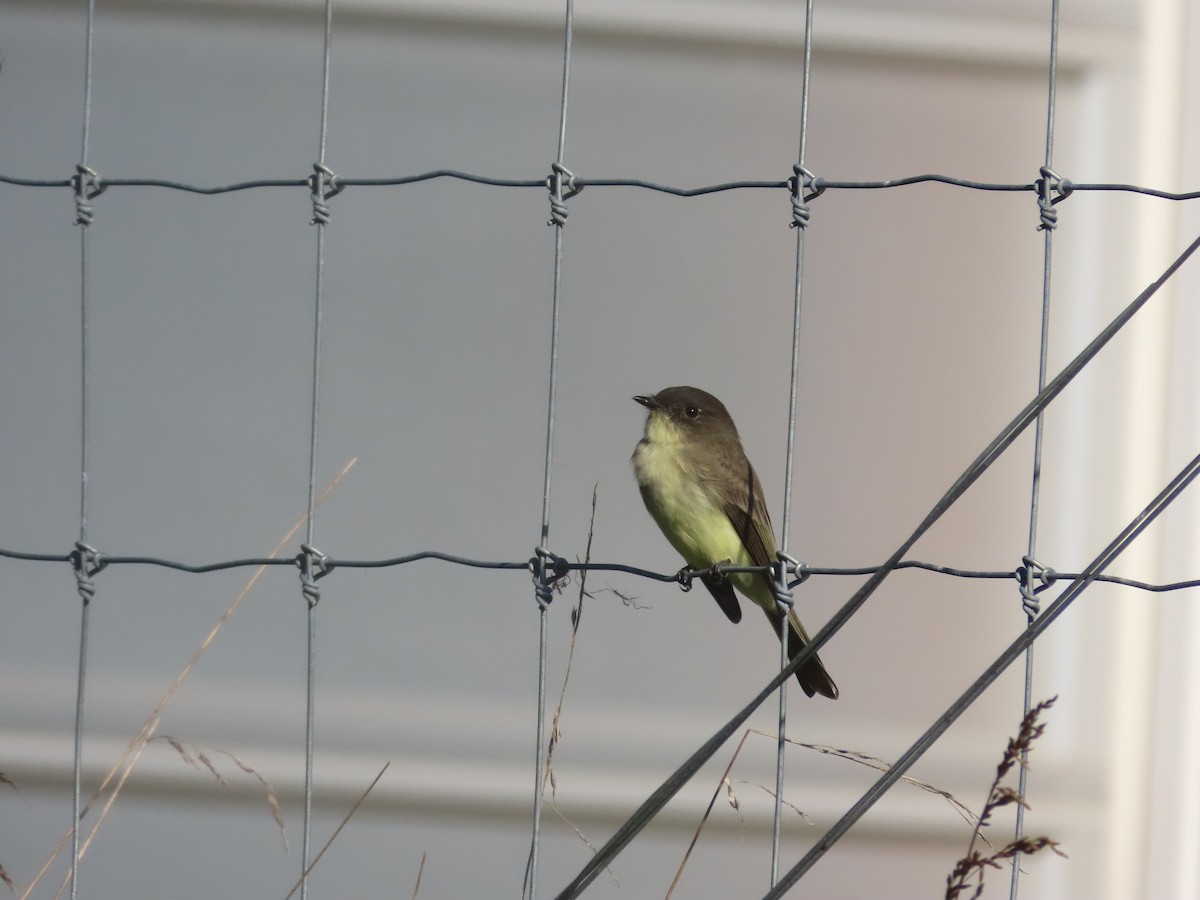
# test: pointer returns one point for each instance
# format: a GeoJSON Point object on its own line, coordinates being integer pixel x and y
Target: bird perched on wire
{"type": "Point", "coordinates": [700, 488]}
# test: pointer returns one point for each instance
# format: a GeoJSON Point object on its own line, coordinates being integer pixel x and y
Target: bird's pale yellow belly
{"type": "Point", "coordinates": [697, 527]}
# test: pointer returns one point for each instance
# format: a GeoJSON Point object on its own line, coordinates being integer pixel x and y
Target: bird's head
{"type": "Point", "coordinates": [685, 414]}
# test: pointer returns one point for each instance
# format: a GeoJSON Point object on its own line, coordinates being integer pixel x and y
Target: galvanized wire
{"type": "Point", "coordinates": [657, 800]}
{"type": "Point", "coordinates": [1030, 603]}
{"type": "Point", "coordinates": [972, 693]}
{"type": "Point", "coordinates": [782, 591]}
{"type": "Point", "coordinates": [561, 567]}
{"type": "Point", "coordinates": [83, 217]}
{"type": "Point", "coordinates": [820, 185]}
{"type": "Point", "coordinates": [323, 186]}
{"type": "Point", "coordinates": [561, 186]}
{"type": "Point", "coordinates": [546, 567]}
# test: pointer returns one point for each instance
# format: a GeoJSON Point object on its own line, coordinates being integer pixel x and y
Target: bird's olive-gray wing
{"type": "Point", "coordinates": [747, 512]}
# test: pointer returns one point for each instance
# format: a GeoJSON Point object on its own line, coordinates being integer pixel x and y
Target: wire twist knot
{"type": "Point", "coordinates": [560, 176]}
{"type": "Point", "coordinates": [779, 584]}
{"type": "Point", "coordinates": [313, 565]}
{"type": "Point", "coordinates": [1029, 572]}
{"type": "Point", "coordinates": [1052, 189]}
{"type": "Point", "coordinates": [546, 578]}
{"type": "Point", "coordinates": [324, 184]}
{"type": "Point", "coordinates": [86, 562]}
{"type": "Point", "coordinates": [805, 186]}
{"type": "Point", "coordinates": [87, 185]}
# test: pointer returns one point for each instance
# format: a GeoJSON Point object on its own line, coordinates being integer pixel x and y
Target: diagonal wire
{"type": "Point", "coordinates": [542, 589]}
{"type": "Point", "coordinates": [1030, 604]}
{"type": "Point", "coordinates": [657, 800]}
{"type": "Point", "coordinates": [1014, 650]}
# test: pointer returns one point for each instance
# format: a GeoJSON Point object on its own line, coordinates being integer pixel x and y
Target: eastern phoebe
{"type": "Point", "coordinates": [702, 491]}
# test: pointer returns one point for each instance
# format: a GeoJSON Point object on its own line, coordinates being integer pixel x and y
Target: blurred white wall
{"type": "Point", "coordinates": [919, 341]}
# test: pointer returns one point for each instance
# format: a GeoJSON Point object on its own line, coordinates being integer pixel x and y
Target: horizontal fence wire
{"type": "Point", "coordinates": [561, 567]}
{"type": "Point", "coordinates": [817, 185]}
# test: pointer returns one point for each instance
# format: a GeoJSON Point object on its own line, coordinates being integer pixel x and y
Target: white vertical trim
{"type": "Point", "coordinates": [1139, 725]}
{"type": "Point", "coordinates": [1173, 826]}
{"type": "Point", "coordinates": [1172, 856]}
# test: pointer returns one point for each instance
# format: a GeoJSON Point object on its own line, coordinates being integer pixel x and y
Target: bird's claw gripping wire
{"type": "Point", "coordinates": [684, 577]}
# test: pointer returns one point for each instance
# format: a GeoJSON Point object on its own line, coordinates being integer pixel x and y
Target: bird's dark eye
{"type": "Point", "coordinates": [692, 411]}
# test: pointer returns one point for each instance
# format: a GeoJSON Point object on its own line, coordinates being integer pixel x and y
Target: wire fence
{"type": "Point", "coordinates": [814, 185]}
{"type": "Point", "coordinates": [548, 568]}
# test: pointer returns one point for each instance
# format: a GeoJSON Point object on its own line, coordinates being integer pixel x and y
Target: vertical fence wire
{"type": "Point", "coordinates": [311, 594]}
{"type": "Point", "coordinates": [560, 177]}
{"type": "Point", "coordinates": [799, 221]}
{"type": "Point", "coordinates": [1045, 199]}
{"type": "Point", "coordinates": [82, 558]}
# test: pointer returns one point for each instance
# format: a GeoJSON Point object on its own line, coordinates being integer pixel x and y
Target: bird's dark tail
{"type": "Point", "coordinates": [812, 675]}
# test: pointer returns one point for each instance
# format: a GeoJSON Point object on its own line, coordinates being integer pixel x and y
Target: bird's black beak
{"type": "Point", "coordinates": [648, 402]}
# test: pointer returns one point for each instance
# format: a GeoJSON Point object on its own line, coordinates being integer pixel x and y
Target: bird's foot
{"type": "Point", "coordinates": [715, 575]}
{"type": "Point", "coordinates": [684, 577]}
